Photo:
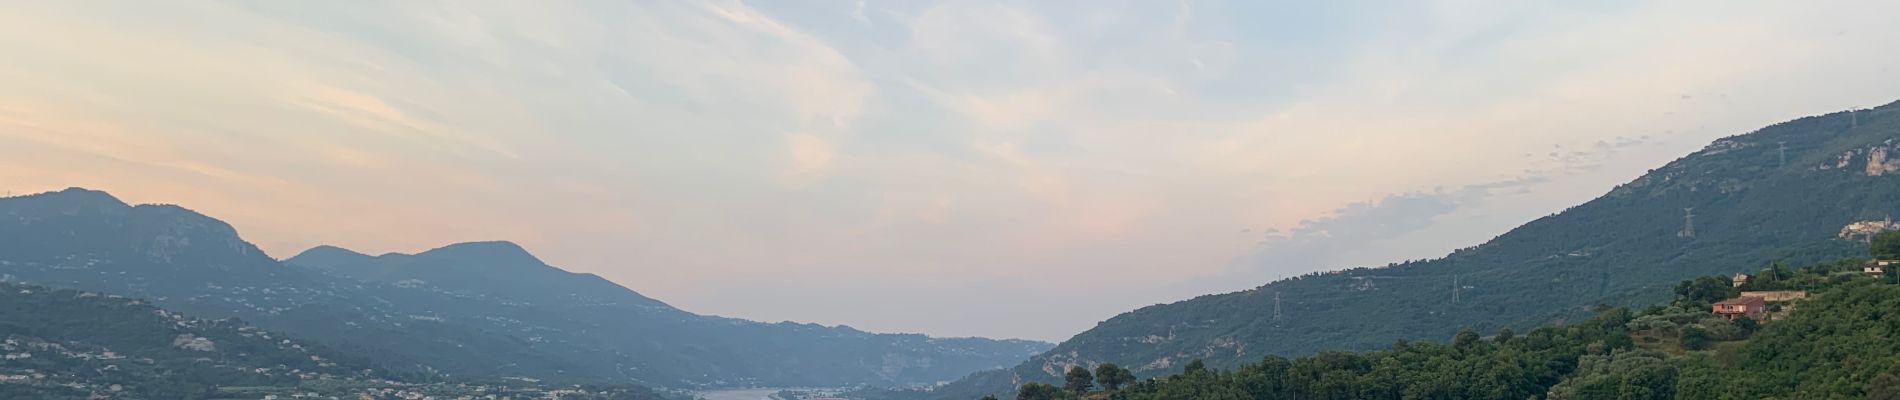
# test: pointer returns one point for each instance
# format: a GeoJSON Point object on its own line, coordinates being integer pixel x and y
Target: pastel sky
{"type": "Point", "coordinates": [993, 168]}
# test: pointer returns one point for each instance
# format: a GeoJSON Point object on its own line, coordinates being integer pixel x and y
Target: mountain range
{"type": "Point", "coordinates": [1799, 191]}
{"type": "Point", "coordinates": [471, 310]}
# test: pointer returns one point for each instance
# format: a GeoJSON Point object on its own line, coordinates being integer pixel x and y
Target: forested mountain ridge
{"type": "Point", "coordinates": [69, 344]}
{"type": "Point", "coordinates": [463, 311]}
{"type": "Point", "coordinates": [191, 263]}
{"type": "Point", "coordinates": [500, 269]}
{"type": "Point", "coordinates": [535, 297]}
{"type": "Point", "coordinates": [1750, 204]}
{"type": "Point", "coordinates": [1834, 340]}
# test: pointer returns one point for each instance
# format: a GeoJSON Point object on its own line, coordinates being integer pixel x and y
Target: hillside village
{"type": "Point", "coordinates": [1767, 301]}
{"type": "Point", "coordinates": [59, 344]}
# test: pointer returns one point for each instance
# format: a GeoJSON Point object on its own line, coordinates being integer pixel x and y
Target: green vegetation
{"type": "Point", "coordinates": [1113, 376]}
{"type": "Point", "coordinates": [1885, 245]}
{"type": "Point", "coordinates": [1039, 391]}
{"type": "Point", "coordinates": [1841, 342]}
{"type": "Point", "coordinates": [67, 344]}
{"type": "Point", "coordinates": [1503, 367]}
{"type": "Point", "coordinates": [64, 343]}
{"type": "Point", "coordinates": [1079, 380]}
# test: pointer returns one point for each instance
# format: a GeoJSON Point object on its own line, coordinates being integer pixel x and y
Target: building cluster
{"type": "Point", "coordinates": [1865, 230]}
{"type": "Point", "coordinates": [1755, 304]}
{"type": "Point", "coordinates": [1742, 307]}
{"type": "Point", "coordinates": [1876, 267]}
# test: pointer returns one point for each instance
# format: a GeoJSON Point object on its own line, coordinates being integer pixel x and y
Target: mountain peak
{"type": "Point", "coordinates": [75, 197]}
{"type": "Point", "coordinates": [324, 248]}
{"type": "Point", "coordinates": [325, 254]}
{"type": "Point", "coordinates": [488, 245]}
{"type": "Point", "coordinates": [86, 194]}
{"type": "Point", "coordinates": [75, 190]}
{"type": "Point", "coordinates": [493, 254]}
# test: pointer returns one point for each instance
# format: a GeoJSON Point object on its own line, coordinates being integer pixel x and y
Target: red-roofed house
{"type": "Point", "coordinates": [1752, 307]}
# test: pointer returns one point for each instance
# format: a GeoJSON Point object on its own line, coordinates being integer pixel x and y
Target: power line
{"type": "Point", "coordinates": [1688, 223]}
{"type": "Point", "coordinates": [1784, 153]}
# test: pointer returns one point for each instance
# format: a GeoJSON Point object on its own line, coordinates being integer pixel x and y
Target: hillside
{"type": "Point", "coordinates": [535, 298]}
{"type": "Point", "coordinates": [1623, 248]}
{"type": "Point", "coordinates": [463, 311]}
{"type": "Point", "coordinates": [66, 343]}
{"type": "Point", "coordinates": [1837, 343]}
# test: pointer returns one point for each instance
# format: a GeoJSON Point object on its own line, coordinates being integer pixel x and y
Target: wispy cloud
{"type": "Point", "coordinates": [1342, 238]}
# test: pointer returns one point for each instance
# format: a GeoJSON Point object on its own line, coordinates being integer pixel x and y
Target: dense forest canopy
{"type": "Point", "coordinates": [69, 344]}
{"type": "Point", "coordinates": [1842, 341]}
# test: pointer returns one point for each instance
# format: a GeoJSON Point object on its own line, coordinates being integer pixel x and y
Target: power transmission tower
{"type": "Point", "coordinates": [1688, 223]}
{"type": "Point", "coordinates": [1784, 153]}
{"type": "Point", "coordinates": [1853, 119]}
{"type": "Point", "coordinates": [1276, 306]}
{"type": "Point", "coordinates": [1455, 285]}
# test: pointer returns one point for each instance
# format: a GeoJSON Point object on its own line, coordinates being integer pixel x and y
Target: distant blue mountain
{"type": "Point", "coordinates": [488, 309]}
{"type": "Point", "coordinates": [500, 269]}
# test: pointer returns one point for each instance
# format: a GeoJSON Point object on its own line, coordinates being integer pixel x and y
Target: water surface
{"type": "Point", "coordinates": [738, 394]}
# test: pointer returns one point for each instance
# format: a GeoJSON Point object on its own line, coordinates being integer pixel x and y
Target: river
{"type": "Point", "coordinates": [738, 394]}
{"type": "Point", "coordinates": [760, 394]}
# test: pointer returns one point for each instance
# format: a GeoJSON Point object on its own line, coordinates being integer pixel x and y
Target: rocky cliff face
{"type": "Point", "coordinates": [1871, 160]}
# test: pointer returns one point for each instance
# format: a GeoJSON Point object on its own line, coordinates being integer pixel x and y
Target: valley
{"type": "Point", "coordinates": [493, 312]}
{"type": "Point", "coordinates": [949, 200]}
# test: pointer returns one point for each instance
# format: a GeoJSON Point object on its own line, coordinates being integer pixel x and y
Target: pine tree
{"type": "Point", "coordinates": [1079, 380]}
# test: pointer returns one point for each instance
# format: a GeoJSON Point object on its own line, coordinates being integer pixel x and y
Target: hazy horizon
{"type": "Point", "coordinates": [978, 168]}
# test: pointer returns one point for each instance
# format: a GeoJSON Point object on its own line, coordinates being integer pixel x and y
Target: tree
{"type": "Point", "coordinates": [1884, 387]}
{"type": "Point", "coordinates": [1747, 325]}
{"type": "Point", "coordinates": [1112, 376]}
{"type": "Point", "coordinates": [1695, 337]}
{"type": "Point", "coordinates": [1466, 339]}
{"type": "Point", "coordinates": [1193, 367]}
{"type": "Point", "coordinates": [988, 397]}
{"type": "Point", "coordinates": [1078, 380]}
{"type": "Point", "coordinates": [1771, 278]}
{"type": "Point", "coordinates": [1885, 245]}
{"type": "Point", "coordinates": [1038, 391]}
{"type": "Point", "coordinates": [1704, 290]}
{"type": "Point", "coordinates": [1504, 336]}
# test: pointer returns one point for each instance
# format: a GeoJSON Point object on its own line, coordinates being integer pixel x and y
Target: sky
{"type": "Point", "coordinates": [957, 168]}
